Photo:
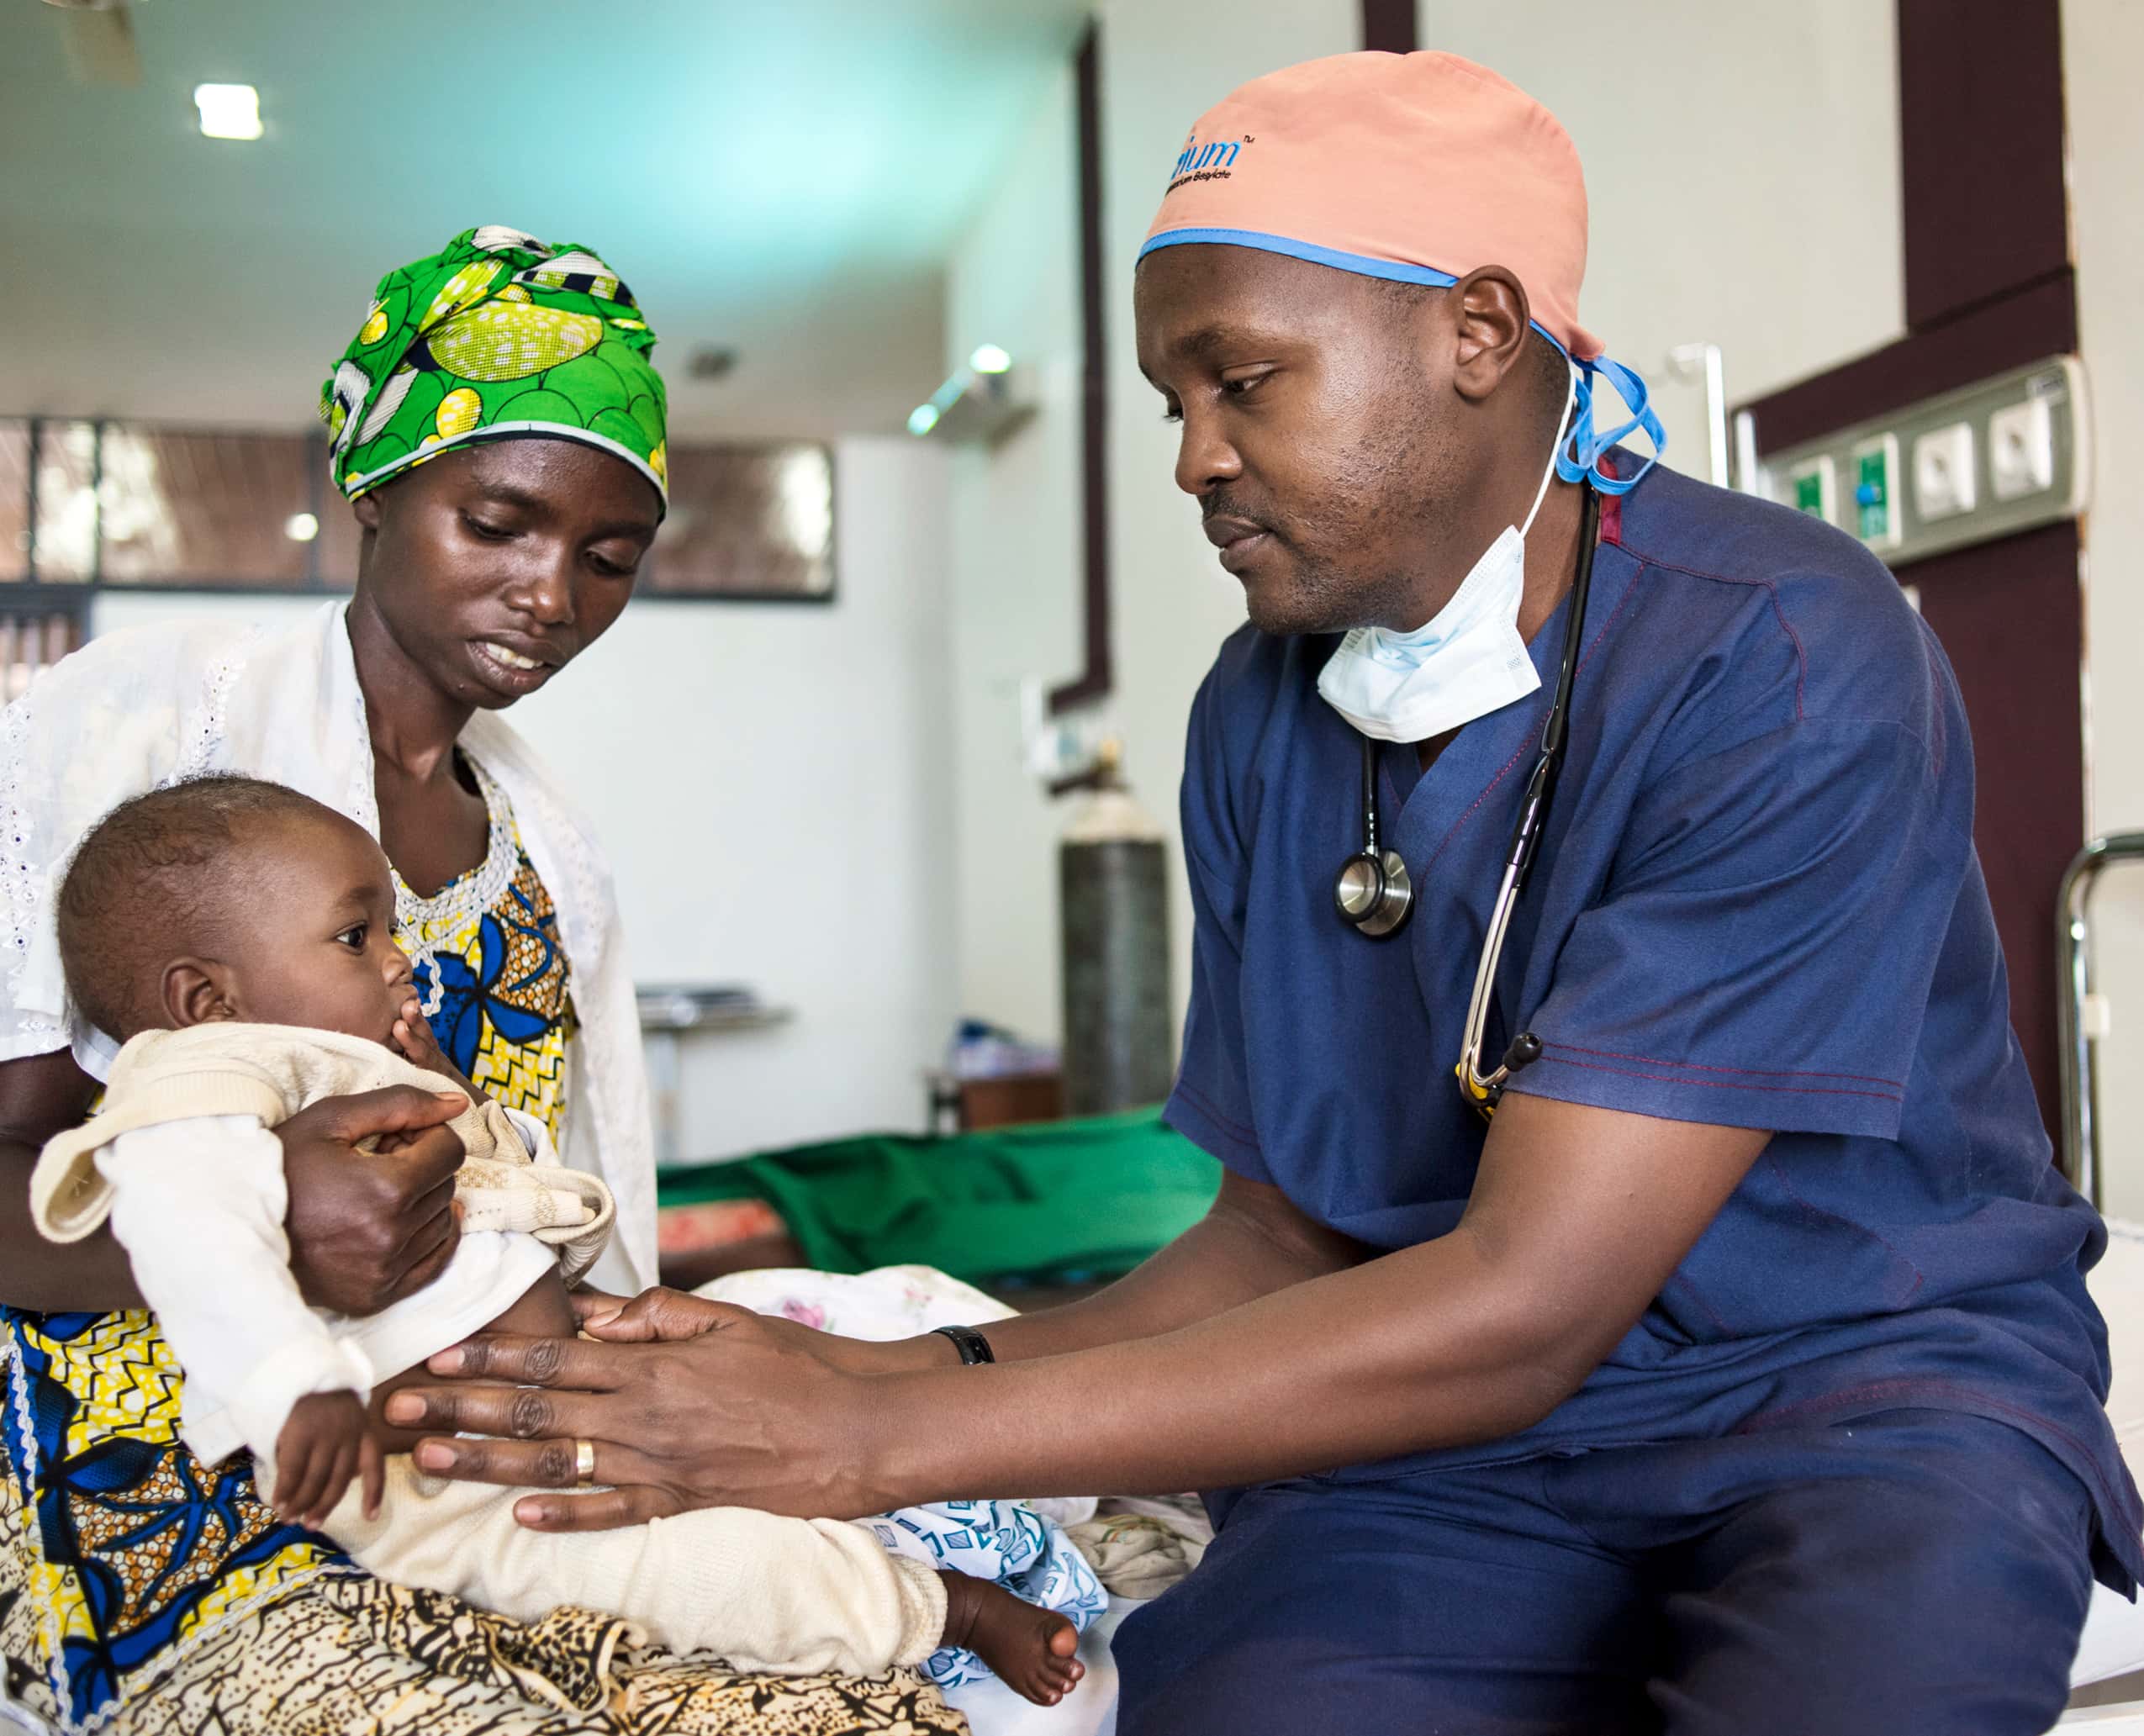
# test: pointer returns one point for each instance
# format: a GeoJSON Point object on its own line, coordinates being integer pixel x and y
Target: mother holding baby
{"type": "Point", "coordinates": [499, 429]}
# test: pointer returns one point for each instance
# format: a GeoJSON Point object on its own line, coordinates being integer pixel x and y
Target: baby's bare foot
{"type": "Point", "coordinates": [1031, 1649]}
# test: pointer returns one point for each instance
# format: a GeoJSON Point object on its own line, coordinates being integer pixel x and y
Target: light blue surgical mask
{"type": "Point", "coordinates": [1469, 660]}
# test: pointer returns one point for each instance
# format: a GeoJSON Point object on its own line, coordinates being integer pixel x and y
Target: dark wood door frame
{"type": "Point", "coordinates": [1389, 25]}
{"type": "Point", "coordinates": [1097, 677]}
{"type": "Point", "coordinates": [1989, 286]}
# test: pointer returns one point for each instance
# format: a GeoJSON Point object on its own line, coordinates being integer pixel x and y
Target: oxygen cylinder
{"type": "Point", "coordinates": [1113, 884]}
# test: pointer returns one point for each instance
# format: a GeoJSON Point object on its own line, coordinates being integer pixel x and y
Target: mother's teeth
{"type": "Point", "coordinates": [512, 659]}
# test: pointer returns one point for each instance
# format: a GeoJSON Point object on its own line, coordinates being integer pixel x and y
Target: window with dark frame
{"type": "Point", "coordinates": [113, 504]}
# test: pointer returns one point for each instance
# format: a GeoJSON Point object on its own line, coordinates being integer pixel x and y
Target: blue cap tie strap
{"type": "Point", "coordinates": [1579, 457]}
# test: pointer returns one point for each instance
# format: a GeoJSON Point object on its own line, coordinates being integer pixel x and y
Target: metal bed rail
{"type": "Point", "coordinates": [2075, 1007]}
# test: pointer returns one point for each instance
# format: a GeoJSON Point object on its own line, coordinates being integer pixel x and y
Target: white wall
{"type": "Point", "coordinates": [2103, 43]}
{"type": "Point", "coordinates": [1162, 68]}
{"type": "Point", "coordinates": [773, 785]}
{"type": "Point", "coordinates": [1017, 560]}
{"type": "Point", "coordinates": [1722, 207]}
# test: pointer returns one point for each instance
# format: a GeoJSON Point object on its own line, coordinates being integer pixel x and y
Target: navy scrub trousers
{"type": "Point", "coordinates": [1915, 1573]}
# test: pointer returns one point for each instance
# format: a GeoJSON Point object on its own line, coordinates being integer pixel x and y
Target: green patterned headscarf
{"type": "Point", "coordinates": [496, 335]}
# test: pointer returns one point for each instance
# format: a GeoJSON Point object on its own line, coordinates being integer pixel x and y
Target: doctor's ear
{"type": "Point", "coordinates": [1491, 317]}
{"type": "Point", "coordinates": [196, 992]}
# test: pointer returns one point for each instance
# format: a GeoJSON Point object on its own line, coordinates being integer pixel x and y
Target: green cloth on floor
{"type": "Point", "coordinates": [1049, 1202]}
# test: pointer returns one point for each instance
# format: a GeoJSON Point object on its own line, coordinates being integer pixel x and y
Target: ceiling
{"type": "Point", "coordinates": [784, 177]}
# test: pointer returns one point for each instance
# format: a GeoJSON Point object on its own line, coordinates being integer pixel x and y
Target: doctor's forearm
{"type": "Point", "coordinates": [1212, 1267]}
{"type": "Point", "coordinates": [1250, 1243]}
{"type": "Point", "coordinates": [1332, 1372]}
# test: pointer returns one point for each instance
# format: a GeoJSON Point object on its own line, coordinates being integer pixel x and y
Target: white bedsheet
{"type": "Point", "coordinates": [1089, 1710]}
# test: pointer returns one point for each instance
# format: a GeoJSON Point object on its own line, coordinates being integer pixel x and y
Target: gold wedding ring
{"type": "Point", "coordinates": [584, 1463]}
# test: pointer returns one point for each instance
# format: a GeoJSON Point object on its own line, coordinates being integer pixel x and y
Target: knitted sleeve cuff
{"type": "Point", "coordinates": [921, 1590]}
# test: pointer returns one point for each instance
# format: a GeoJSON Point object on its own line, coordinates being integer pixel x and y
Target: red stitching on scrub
{"type": "Point", "coordinates": [1801, 656]}
{"type": "Point", "coordinates": [1714, 1084]}
{"type": "Point", "coordinates": [1764, 1421]}
{"type": "Point", "coordinates": [1923, 1387]}
{"type": "Point", "coordinates": [1487, 790]}
{"type": "Point", "coordinates": [1702, 1301]}
{"type": "Point", "coordinates": [1584, 658]}
{"type": "Point", "coordinates": [1809, 1205]}
{"type": "Point", "coordinates": [1865, 1079]}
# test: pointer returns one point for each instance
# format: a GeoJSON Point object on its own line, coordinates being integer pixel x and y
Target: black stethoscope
{"type": "Point", "coordinates": [1375, 896]}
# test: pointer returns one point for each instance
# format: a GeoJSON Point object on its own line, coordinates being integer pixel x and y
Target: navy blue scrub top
{"type": "Point", "coordinates": [1757, 905]}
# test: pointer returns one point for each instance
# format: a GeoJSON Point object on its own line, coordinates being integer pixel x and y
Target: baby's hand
{"type": "Point", "coordinates": [324, 1442]}
{"type": "Point", "coordinates": [420, 1048]}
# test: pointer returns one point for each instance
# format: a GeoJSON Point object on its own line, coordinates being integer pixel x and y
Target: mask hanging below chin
{"type": "Point", "coordinates": [1468, 662]}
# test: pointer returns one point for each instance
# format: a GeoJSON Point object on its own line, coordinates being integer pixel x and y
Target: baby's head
{"type": "Point", "coordinates": [230, 898]}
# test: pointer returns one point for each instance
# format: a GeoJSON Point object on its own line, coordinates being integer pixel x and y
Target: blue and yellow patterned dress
{"type": "Point", "coordinates": [490, 972]}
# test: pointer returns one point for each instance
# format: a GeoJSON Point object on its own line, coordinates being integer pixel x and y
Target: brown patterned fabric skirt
{"type": "Point", "coordinates": [343, 1653]}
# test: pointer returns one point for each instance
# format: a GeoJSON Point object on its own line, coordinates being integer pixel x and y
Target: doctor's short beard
{"type": "Point", "coordinates": [1357, 564]}
{"type": "Point", "coordinates": [1353, 545]}
{"type": "Point", "coordinates": [1318, 596]}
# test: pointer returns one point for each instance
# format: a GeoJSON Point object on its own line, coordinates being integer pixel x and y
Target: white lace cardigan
{"type": "Point", "coordinates": [148, 706]}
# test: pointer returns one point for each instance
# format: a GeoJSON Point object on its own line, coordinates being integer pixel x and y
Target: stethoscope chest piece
{"type": "Point", "coordinates": [1374, 895]}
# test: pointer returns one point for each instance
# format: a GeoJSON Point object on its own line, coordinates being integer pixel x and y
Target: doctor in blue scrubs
{"type": "Point", "coordinates": [1712, 1353]}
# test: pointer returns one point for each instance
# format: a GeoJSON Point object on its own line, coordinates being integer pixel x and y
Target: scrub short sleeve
{"type": "Point", "coordinates": [1211, 1104]}
{"type": "Point", "coordinates": [1762, 954]}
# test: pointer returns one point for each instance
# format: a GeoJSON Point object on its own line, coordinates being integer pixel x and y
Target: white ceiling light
{"type": "Point", "coordinates": [301, 527]}
{"type": "Point", "coordinates": [982, 402]}
{"type": "Point", "coordinates": [229, 111]}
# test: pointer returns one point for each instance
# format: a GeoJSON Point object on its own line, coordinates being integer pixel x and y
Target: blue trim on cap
{"type": "Point", "coordinates": [1579, 456]}
{"type": "Point", "coordinates": [1361, 264]}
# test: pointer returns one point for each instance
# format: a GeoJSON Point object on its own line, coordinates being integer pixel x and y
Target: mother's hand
{"type": "Point", "coordinates": [688, 1403]}
{"type": "Point", "coordinates": [368, 1228]}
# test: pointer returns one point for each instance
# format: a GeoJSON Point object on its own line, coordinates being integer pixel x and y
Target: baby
{"type": "Point", "coordinates": [239, 936]}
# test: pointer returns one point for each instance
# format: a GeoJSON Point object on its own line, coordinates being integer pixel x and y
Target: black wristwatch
{"type": "Point", "coordinates": [973, 1346]}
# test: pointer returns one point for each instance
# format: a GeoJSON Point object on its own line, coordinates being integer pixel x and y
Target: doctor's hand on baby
{"type": "Point", "coordinates": [688, 1403]}
{"type": "Point", "coordinates": [326, 1443]}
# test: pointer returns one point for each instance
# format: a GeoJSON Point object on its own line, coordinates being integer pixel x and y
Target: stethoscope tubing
{"type": "Point", "coordinates": [1479, 1087]}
